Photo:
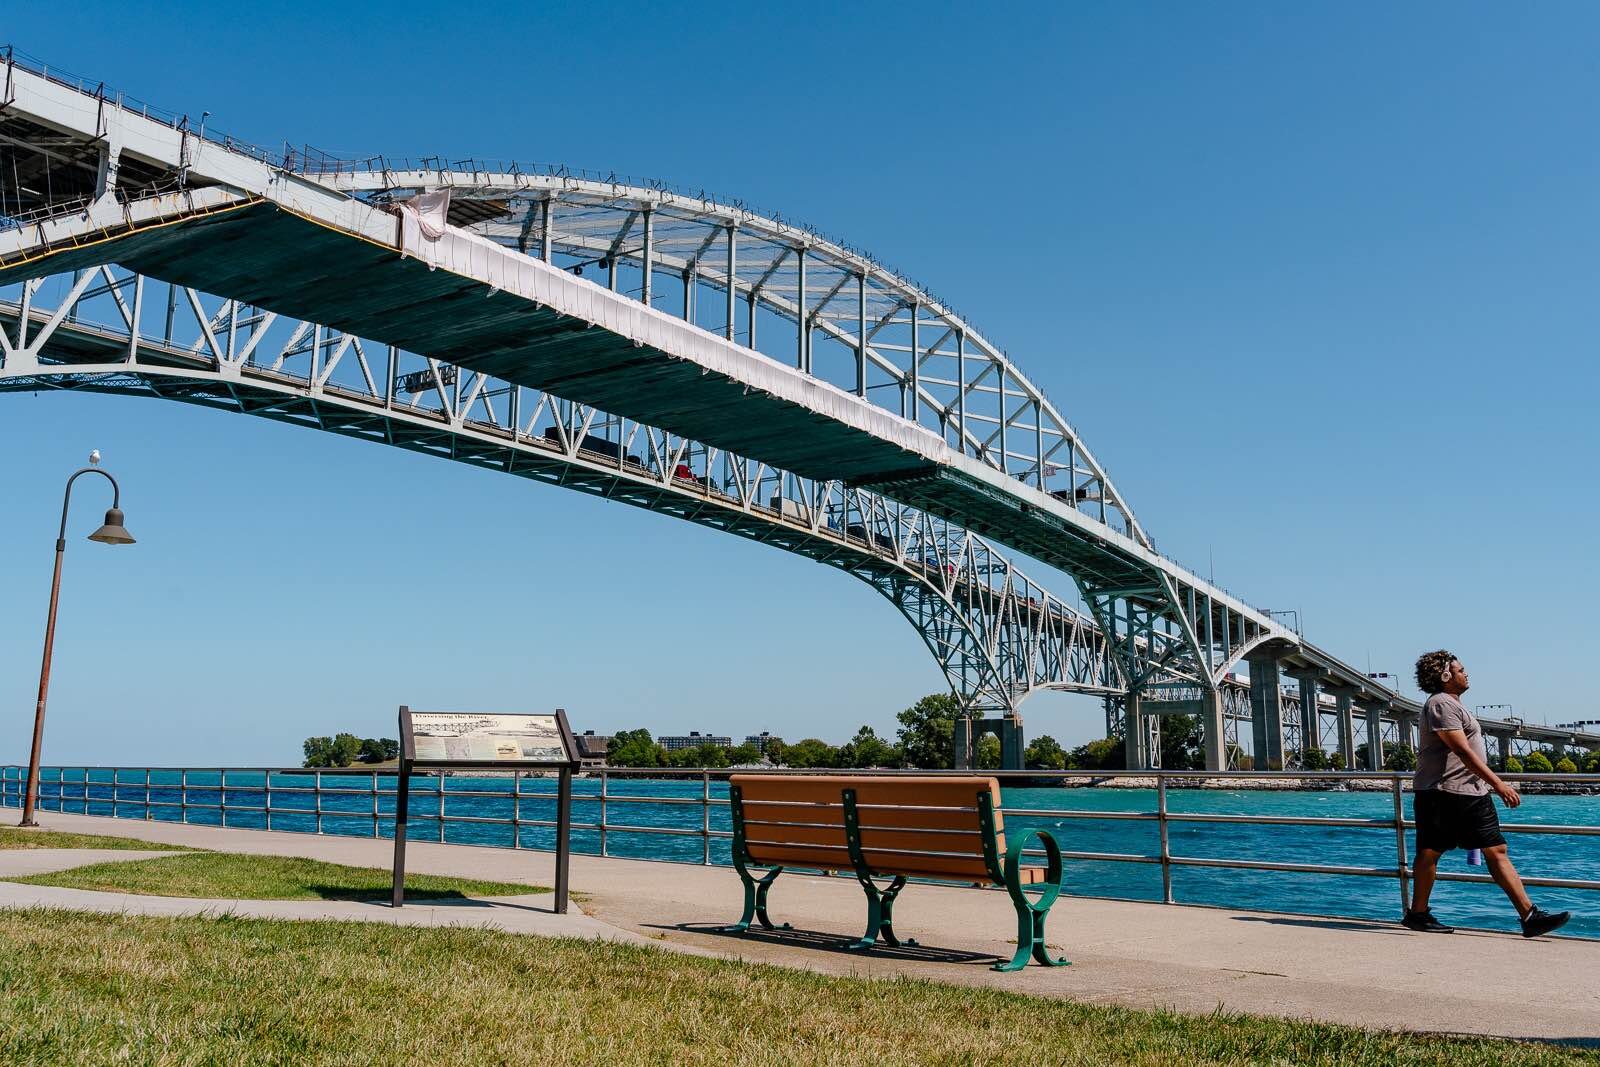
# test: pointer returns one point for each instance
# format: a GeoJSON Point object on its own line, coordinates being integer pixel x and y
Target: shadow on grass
{"type": "Point", "coordinates": [432, 896]}
{"type": "Point", "coordinates": [838, 944]}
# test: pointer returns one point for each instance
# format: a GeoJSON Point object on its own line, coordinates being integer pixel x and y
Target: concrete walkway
{"type": "Point", "coordinates": [1142, 955]}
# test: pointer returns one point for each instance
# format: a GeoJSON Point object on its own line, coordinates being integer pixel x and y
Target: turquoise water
{"type": "Point", "coordinates": [646, 803]}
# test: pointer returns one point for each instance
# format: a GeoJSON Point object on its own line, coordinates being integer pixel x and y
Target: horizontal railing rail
{"type": "Point", "coordinates": [312, 800]}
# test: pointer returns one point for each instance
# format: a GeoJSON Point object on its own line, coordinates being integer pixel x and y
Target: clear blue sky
{"type": "Point", "coordinates": [1317, 282]}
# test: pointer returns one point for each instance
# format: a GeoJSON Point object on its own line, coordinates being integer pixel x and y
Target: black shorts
{"type": "Point", "coordinates": [1455, 820]}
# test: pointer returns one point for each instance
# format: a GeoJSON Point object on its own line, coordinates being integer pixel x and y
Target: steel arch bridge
{"type": "Point", "coordinates": [671, 350]}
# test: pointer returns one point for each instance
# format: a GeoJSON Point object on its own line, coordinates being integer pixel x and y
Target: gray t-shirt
{"type": "Point", "coordinates": [1437, 766]}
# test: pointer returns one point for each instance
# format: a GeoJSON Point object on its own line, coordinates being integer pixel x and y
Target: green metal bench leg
{"type": "Point", "coordinates": [1031, 911]}
{"type": "Point", "coordinates": [755, 900]}
{"type": "Point", "coordinates": [880, 913]}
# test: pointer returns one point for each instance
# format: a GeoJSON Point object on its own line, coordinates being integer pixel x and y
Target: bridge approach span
{"type": "Point", "coordinates": [440, 262]}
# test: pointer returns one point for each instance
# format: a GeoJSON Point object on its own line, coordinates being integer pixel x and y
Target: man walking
{"type": "Point", "coordinates": [1451, 802]}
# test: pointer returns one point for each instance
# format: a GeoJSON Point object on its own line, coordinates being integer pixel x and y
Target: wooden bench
{"type": "Point", "coordinates": [888, 827]}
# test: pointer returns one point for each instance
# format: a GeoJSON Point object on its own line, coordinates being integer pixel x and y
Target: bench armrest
{"type": "Point", "coordinates": [1052, 877]}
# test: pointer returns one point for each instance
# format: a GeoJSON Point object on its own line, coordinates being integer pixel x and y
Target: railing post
{"type": "Point", "coordinates": [705, 818]}
{"type": "Point", "coordinates": [266, 795]}
{"type": "Point", "coordinates": [516, 809]}
{"type": "Point", "coordinates": [440, 772]}
{"type": "Point", "coordinates": [603, 780]}
{"type": "Point", "coordinates": [1166, 848]}
{"type": "Point", "coordinates": [375, 799]}
{"type": "Point", "coordinates": [149, 815]}
{"type": "Point", "coordinates": [222, 794]}
{"type": "Point", "coordinates": [183, 795]}
{"type": "Point", "coordinates": [1400, 846]}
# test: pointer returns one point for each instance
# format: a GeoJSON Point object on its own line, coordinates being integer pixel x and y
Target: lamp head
{"type": "Point", "coordinates": [112, 532]}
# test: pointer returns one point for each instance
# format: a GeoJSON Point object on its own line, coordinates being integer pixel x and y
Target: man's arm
{"type": "Point", "coordinates": [1456, 741]}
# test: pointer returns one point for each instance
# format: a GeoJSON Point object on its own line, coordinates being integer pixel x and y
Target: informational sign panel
{"type": "Point", "coordinates": [488, 738]}
{"type": "Point", "coordinates": [474, 740]}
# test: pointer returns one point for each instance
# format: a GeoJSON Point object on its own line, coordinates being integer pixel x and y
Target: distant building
{"type": "Point", "coordinates": [592, 748]}
{"type": "Point", "coordinates": [693, 739]}
{"type": "Point", "coordinates": [760, 741]}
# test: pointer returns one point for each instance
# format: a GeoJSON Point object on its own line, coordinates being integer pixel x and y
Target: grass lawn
{"type": "Point", "coordinates": [232, 876]}
{"type": "Point", "coordinates": [13, 837]}
{"type": "Point", "coordinates": [80, 988]}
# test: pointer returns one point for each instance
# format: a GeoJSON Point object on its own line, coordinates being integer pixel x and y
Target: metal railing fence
{"type": "Point", "coordinates": [322, 800]}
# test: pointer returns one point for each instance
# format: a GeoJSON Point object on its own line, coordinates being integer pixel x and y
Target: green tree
{"type": "Point", "coordinates": [318, 751]}
{"type": "Point", "coordinates": [1182, 745]}
{"type": "Point", "coordinates": [988, 753]}
{"type": "Point", "coordinates": [811, 752]}
{"type": "Point", "coordinates": [635, 748]}
{"type": "Point", "coordinates": [927, 730]}
{"type": "Point", "coordinates": [1565, 766]}
{"type": "Point", "coordinates": [1538, 763]}
{"type": "Point", "coordinates": [1044, 753]}
{"type": "Point", "coordinates": [378, 749]}
{"type": "Point", "coordinates": [346, 747]}
{"type": "Point", "coordinates": [739, 755]}
{"type": "Point", "coordinates": [702, 755]}
{"type": "Point", "coordinates": [1336, 761]}
{"type": "Point", "coordinates": [1105, 754]}
{"type": "Point", "coordinates": [1399, 758]}
{"type": "Point", "coordinates": [867, 749]}
{"type": "Point", "coordinates": [775, 750]}
{"type": "Point", "coordinates": [1513, 765]}
{"type": "Point", "coordinates": [1591, 762]}
{"type": "Point", "coordinates": [1313, 759]}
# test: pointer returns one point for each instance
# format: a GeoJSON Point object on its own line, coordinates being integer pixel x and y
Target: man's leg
{"type": "Point", "coordinates": [1422, 872]}
{"type": "Point", "coordinates": [1504, 873]}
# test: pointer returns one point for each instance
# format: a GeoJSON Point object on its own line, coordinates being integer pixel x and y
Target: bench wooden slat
{"type": "Point", "coordinates": [963, 842]}
{"type": "Point", "coordinates": [907, 818]}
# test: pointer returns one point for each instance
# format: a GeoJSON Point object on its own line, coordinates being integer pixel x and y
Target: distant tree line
{"type": "Point", "coordinates": [341, 750]}
{"type": "Point", "coordinates": [1549, 761]}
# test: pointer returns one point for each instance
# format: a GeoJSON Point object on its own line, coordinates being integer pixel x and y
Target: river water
{"type": "Point", "coordinates": [350, 808]}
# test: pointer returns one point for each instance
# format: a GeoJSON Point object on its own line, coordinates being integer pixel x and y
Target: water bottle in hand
{"type": "Point", "coordinates": [1474, 857]}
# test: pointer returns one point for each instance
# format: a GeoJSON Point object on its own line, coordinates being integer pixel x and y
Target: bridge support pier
{"type": "Point", "coordinates": [1310, 723]}
{"type": "Point", "coordinates": [1213, 730]}
{"type": "Point", "coordinates": [1266, 712]}
{"type": "Point", "coordinates": [1136, 732]}
{"type": "Point", "coordinates": [1406, 729]}
{"type": "Point", "coordinates": [1344, 697]}
{"type": "Point", "coordinates": [966, 733]}
{"type": "Point", "coordinates": [1373, 710]}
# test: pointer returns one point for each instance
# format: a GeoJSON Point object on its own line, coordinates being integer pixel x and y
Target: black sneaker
{"type": "Point", "coordinates": [1424, 923]}
{"type": "Point", "coordinates": [1542, 922]}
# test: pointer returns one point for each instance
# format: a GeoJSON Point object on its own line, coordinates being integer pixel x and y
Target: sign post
{"type": "Point", "coordinates": [469, 740]}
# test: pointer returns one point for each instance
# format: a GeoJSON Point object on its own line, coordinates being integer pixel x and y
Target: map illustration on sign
{"type": "Point", "coordinates": [470, 737]}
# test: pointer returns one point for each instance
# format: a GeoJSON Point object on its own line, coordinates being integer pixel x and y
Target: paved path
{"type": "Point", "coordinates": [1142, 955]}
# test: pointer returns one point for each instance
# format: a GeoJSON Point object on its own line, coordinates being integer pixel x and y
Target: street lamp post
{"type": "Point", "coordinates": [111, 532]}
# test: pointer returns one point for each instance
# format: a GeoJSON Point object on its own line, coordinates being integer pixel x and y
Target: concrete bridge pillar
{"type": "Point", "coordinates": [1211, 726]}
{"type": "Point", "coordinates": [1136, 732]}
{"type": "Point", "coordinates": [961, 742]}
{"type": "Point", "coordinates": [1502, 746]}
{"type": "Point", "coordinates": [1373, 710]}
{"type": "Point", "coordinates": [1310, 724]}
{"type": "Point", "coordinates": [1344, 698]}
{"type": "Point", "coordinates": [1266, 711]}
{"type": "Point", "coordinates": [1406, 729]}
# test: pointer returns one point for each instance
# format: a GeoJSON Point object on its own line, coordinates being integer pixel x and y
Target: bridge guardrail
{"type": "Point", "coordinates": [80, 789]}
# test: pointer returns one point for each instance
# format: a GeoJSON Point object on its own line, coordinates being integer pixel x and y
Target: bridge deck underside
{"type": "Point", "coordinates": [265, 256]}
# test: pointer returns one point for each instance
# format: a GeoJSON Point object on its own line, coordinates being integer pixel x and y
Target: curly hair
{"type": "Point", "coordinates": [1430, 670]}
